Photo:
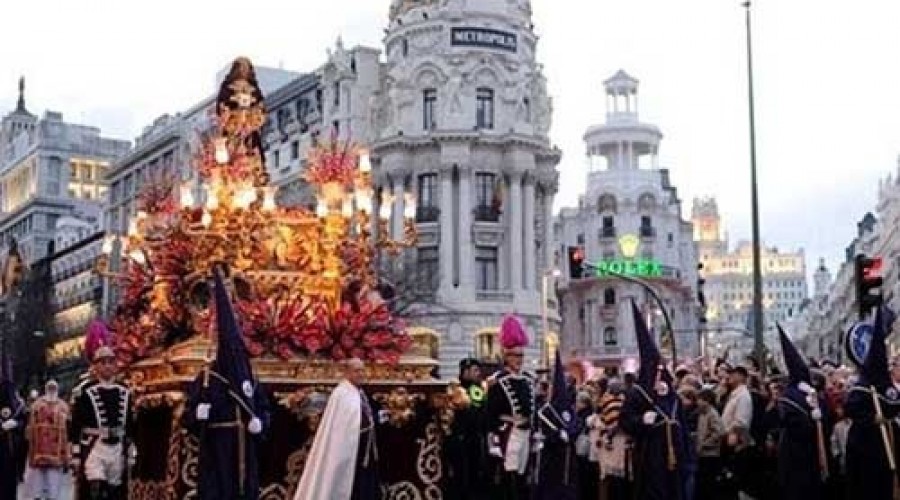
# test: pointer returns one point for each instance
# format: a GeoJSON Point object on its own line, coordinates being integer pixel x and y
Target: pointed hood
{"type": "Point", "coordinates": [797, 369]}
{"type": "Point", "coordinates": [874, 370]}
{"type": "Point", "coordinates": [559, 412]}
{"type": "Point", "coordinates": [232, 360]}
{"type": "Point", "coordinates": [651, 359]}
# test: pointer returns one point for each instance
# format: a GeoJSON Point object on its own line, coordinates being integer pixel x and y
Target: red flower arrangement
{"type": "Point", "coordinates": [333, 162]}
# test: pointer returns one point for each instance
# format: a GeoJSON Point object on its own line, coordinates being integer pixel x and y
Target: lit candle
{"type": "Point", "coordinates": [221, 151]}
{"type": "Point", "coordinates": [364, 200]}
{"type": "Point", "coordinates": [268, 199]}
{"type": "Point", "coordinates": [365, 163]}
{"type": "Point", "coordinates": [138, 256]}
{"type": "Point", "coordinates": [132, 227]}
{"type": "Point", "coordinates": [212, 200]}
{"type": "Point", "coordinates": [347, 208]}
{"type": "Point", "coordinates": [206, 220]}
{"type": "Point", "coordinates": [322, 208]}
{"type": "Point", "coordinates": [108, 244]}
{"type": "Point", "coordinates": [141, 215]}
{"type": "Point", "coordinates": [384, 211]}
{"type": "Point", "coordinates": [187, 195]}
{"type": "Point", "coordinates": [409, 206]}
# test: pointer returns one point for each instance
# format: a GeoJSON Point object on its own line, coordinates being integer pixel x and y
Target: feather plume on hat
{"type": "Point", "coordinates": [512, 334]}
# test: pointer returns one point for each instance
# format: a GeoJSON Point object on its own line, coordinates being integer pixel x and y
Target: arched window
{"type": "Point", "coordinates": [606, 204]}
{"type": "Point", "coordinates": [609, 297]}
{"type": "Point", "coordinates": [610, 337]}
{"type": "Point", "coordinates": [484, 108]}
{"type": "Point", "coordinates": [647, 202]}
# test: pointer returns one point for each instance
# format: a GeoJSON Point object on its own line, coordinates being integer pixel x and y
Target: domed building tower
{"type": "Point", "coordinates": [461, 122]}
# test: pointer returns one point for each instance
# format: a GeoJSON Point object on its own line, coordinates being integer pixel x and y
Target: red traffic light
{"type": "Point", "coordinates": [871, 268]}
{"type": "Point", "coordinates": [578, 254]}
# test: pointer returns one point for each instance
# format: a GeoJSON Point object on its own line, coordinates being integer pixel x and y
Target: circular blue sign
{"type": "Point", "coordinates": [857, 342]}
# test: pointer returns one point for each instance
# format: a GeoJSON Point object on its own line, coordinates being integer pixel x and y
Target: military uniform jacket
{"type": "Point", "coordinates": [510, 404]}
{"type": "Point", "coordinates": [101, 412]}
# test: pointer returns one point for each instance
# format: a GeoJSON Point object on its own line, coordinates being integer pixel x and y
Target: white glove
{"type": "Point", "coordinates": [816, 414]}
{"type": "Point", "coordinates": [564, 436]}
{"type": "Point", "coordinates": [383, 416]}
{"type": "Point", "coordinates": [495, 451]}
{"type": "Point", "coordinates": [803, 386]}
{"type": "Point", "coordinates": [9, 425]}
{"type": "Point", "coordinates": [650, 418]}
{"type": "Point", "coordinates": [255, 426]}
{"type": "Point", "coordinates": [203, 411]}
{"type": "Point", "coordinates": [132, 455]}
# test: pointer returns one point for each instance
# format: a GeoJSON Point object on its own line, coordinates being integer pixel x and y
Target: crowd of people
{"type": "Point", "coordinates": [720, 431]}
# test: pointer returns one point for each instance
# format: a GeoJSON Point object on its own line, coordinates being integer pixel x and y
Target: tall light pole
{"type": "Point", "coordinates": [545, 322]}
{"type": "Point", "coordinates": [758, 326]}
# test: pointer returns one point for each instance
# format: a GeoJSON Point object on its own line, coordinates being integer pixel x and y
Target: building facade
{"type": "Point", "coordinates": [629, 221]}
{"type": "Point", "coordinates": [460, 119]}
{"type": "Point", "coordinates": [729, 282]}
{"type": "Point", "coordinates": [49, 169]}
{"type": "Point", "coordinates": [77, 294]}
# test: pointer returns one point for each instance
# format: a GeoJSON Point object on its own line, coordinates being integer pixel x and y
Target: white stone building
{"type": "Point", "coordinates": [629, 220]}
{"type": "Point", "coordinates": [49, 169]}
{"type": "Point", "coordinates": [729, 283]}
{"type": "Point", "coordinates": [460, 119]}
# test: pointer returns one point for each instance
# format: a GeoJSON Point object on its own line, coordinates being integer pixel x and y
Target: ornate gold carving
{"type": "Point", "coordinates": [399, 404]}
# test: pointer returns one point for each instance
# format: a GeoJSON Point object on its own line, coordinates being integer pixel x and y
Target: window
{"type": "Point", "coordinates": [404, 47]}
{"type": "Point", "coordinates": [608, 229]}
{"type": "Point", "coordinates": [526, 105]}
{"type": "Point", "coordinates": [276, 158]}
{"type": "Point", "coordinates": [295, 150]}
{"type": "Point", "coordinates": [579, 239]}
{"type": "Point", "coordinates": [485, 108]}
{"type": "Point", "coordinates": [337, 94]}
{"type": "Point", "coordinates": [429, 99]}
{"type": "Point", "coordinates": [646, 227]}
{"type": "Point", "coordinates": [427, 207]}
{"type": "Point", "coordinates": [428, 264]}
{"type": "Point", "coordinates": [610, 337]}
{"type": "Point", "coordinates": [484, 186]}
{"type": "Point", "coordinates": [609, 297]}
{"type": "Point", "coordinates": [486, 268]}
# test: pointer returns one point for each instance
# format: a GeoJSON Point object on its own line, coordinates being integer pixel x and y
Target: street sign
{"type": "Point", "coordinates": [857, 342]}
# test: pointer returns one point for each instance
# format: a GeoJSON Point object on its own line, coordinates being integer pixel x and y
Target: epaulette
{"type": "Point", "coordinates": [79, 389]}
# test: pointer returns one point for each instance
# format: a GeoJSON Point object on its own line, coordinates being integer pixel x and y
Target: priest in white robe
{"type": "Point", "coordinates": [343, 464]}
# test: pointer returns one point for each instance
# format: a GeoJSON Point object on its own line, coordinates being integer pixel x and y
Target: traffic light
{"type": "Point", "coordinates": [576, 262]}
{"type": "Point", "coordinates": [868, 284]}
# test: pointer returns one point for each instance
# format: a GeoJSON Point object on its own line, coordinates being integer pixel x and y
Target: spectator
{"type": "Point", "coordinates": [709, 442]}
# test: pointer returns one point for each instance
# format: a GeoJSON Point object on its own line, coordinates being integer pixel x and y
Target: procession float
{"type": "Point", "coordinates": [308, 294]}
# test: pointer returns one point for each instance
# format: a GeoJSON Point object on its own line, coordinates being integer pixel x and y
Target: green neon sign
{"type": "Point", "coordinates": [638, 268]}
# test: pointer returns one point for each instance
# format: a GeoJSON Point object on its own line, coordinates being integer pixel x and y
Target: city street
{"type": "Point", "coordinates": [456, 249]}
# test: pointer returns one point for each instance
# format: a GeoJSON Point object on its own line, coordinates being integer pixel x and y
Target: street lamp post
{"type": "Point", "coordinates": [545, 322]}
{"type": "Point", "coordinates": [759, 346]}
{"type": "Point", "coordinates": [653, 293]}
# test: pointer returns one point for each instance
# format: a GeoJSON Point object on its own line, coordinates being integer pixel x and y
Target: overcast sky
{"type": "Point", "coordinates": [828, 84]}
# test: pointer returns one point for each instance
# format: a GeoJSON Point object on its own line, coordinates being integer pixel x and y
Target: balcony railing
{"type": "Point", "coordinates": [427, 214]}
{"type": "Point", "coordinates": [648, 232]}
{"type": "Point", "coordinates": [487, 213]}
{"type": "Point", "coordinates": [608, 232]}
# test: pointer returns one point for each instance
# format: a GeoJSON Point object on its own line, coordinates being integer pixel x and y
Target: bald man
{"type": "Point", "coordinates": [337, 452]}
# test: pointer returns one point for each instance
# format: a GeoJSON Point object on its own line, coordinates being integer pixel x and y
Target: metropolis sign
{"type": "Point", "coordinates": [483, 37]}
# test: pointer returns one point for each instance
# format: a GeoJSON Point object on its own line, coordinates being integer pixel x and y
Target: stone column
{"type": "Point", "coordinates": [514, 210]}
{"type": "Point", "coordinates": [446, 228]}
{"type": "Point", "coordinates": [399, 204]}
{"type": "Point", "coordinates": [531, 264]}
{"type": "Point", "coordinates": [548, 226]}
{"type": "Point", "coordinates": [464, 231]}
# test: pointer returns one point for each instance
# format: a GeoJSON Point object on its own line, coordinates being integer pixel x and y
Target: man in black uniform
{"type": "Point", "coordinates": [510, 415]}
{"type": "Point", "coordinates": [466, 447]}
{"type": "Point", "coordinates": [12, 423]}
{"type": "Point", "coordinates": [100, 430]}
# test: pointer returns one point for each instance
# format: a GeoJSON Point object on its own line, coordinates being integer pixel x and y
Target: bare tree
{"type": "Point", "coordinates": [410, 286]}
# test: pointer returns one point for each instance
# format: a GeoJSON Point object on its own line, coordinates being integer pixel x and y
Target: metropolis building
{"type": "Point", "coordinates": [461, 119]}
{"type": "Point", "coordinates": [629, 221]}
